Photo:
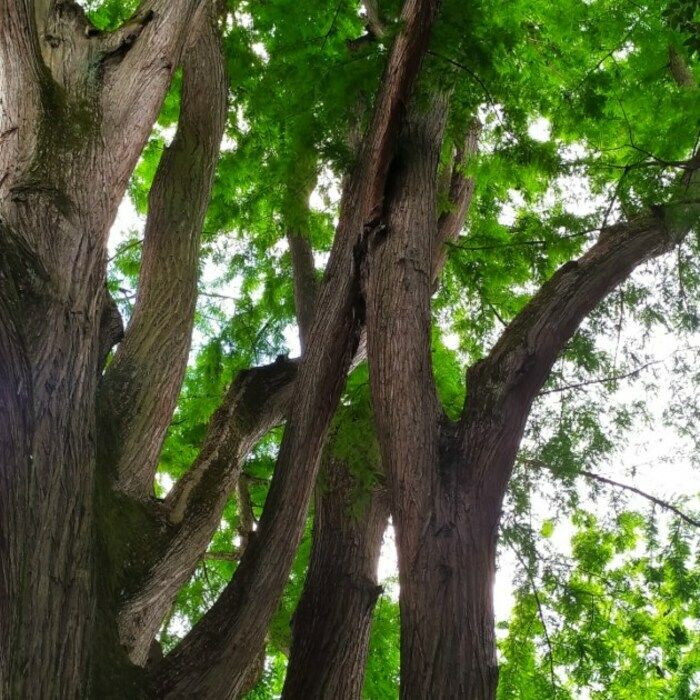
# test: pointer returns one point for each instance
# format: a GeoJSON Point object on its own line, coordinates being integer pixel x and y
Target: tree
{"type": "Point", "coordinates": [415, 110]}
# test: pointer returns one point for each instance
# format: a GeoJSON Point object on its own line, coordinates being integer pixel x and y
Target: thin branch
{"type": "Point", "coordinates": [540, 611]}
{"type": "Point", "coordinates": [627, 487]}
{"type": "Point", "coordinates": [235, 555]}
{"type": "Point", "coordinates": [615, 377]}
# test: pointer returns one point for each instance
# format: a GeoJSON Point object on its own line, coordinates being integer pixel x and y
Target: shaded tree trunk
{"type": "Point", "coordinates": [71, 136]}
{"type": "Point", "coordinates": [331, 626]}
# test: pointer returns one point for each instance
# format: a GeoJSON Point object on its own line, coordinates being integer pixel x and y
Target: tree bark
{"type": "Point", "coordinates": [330, 638]}
{"type": "Point", "coordinates": [235, 627]}
{"type": "Point", "coordinates": [59, 191]}
{"type": "Point", "coordinates": [447, 480]}
{"type": "Point", "coordinates": [142, 383]}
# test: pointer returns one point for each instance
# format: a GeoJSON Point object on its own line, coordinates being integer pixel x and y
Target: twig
{"type": "Point", "coordinates": [627, 487]}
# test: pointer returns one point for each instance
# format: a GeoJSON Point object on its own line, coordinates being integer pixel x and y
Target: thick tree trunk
{"type": "Point", "coordinates": [64, 164]}
{"type": "Point", "coordinates": [447, 563]}
{"type": "Point", "coordinates": [330, 638]}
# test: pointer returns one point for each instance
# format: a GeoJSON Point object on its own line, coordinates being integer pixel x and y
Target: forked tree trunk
{"type": "Point", "coordinates": [447, 480]}
{"type": "Point", "coordinates": [331, 627]}
{"type": "Point", "coordinates": [71, 131]}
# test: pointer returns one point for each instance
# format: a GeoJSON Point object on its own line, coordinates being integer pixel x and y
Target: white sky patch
{"type": "Point", "coordinates": [291, 340]}
{"type": "Point", "coordinates": [127, 221]}
{"type": "Point", "coordinates": [509, 211]}
{"type": "Point", "coordinates": [388, 567]}
{"type": "Point", "coordinates": [259, 50]}
{"type": "Point", "coordinates": [451, 341]}
{"type": "Point", "coordinates": [622, 53]}
{"type": "Point", "coordinates": [540, 129]}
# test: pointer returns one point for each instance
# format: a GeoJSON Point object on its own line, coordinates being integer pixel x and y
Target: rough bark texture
{"type": "Point", "coordinates": [141, 385]}
{"type": "Point", "coordinates": [234, 628]}
{"type": "Point", "coordinates": [447, 481]}
{"type": "Point", "coordinates": [331, 626]}
{"type": "Point", "coordinates": [256, 402]}
{"type": "Point", "coordinates": [446, 554]}
{"type": "Point", "coordinates": [64, 162]}
{"type": "Point", "coordinates": [89, 562]}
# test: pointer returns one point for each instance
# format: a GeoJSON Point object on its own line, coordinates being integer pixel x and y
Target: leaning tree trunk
{"type": "Point", "coordinates": [330, 636]}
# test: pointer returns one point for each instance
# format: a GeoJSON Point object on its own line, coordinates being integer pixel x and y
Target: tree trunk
{"type": "Point", "coordinates": [65, 160]}
{"type": "Point", "coordinates": [330, 637]}
{"type": "Point", "coordinates": [447, 562]}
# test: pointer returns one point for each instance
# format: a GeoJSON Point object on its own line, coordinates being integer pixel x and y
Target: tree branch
{"type": "Point", "coordinates": [304, 272]}
{"type": "Point", "coordinates": [461, 191]}
{"type": "Point", "coordinates": [23, 73]}
{"type": "Point", "coordinates": [208, 660]}
{"type": "Point", "coordinates": [627, 487]}
{"type": "Point", "coordinates": [296, 218]}
{"type": "Point", "coordinates": [138, 61]}
{"type": "Point", "coordinates": [141, 386]}
{"type": "Point", "coordinates": [502, 386]}
{"type": "Point", "coordinates": [256, 401]}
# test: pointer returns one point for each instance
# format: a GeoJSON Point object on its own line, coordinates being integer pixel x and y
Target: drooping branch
{"type": "Point", "coordinates": [666, 505]}
{"type": "Point", "coordinates": [141, 386]}
{"type": "Point", "coordinates": [503, 385]}
{"type": "Point", "coordinates": [210, 659]}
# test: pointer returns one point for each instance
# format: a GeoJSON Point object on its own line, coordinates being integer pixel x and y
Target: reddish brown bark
{"type": "Point", "coordinates": [330, 638]}
{"type": "Point", "coordinates": [446, 480]}
{"type": "Point", "coordinates": [231, 631]}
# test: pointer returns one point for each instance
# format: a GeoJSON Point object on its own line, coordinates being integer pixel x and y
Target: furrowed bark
{"type": "Point", "coordinates": [446, 554]}
{"type": "Point", "coordinates": [140, 388]}
{"type": "Point", "coordinates": [323, 637]}
{"type": "Point", "coordinates": [209, 661]}
{"type": "Point", "coordinates": [58, 198]}
{"type": "Point", "coordinates": [50, 284]}
{"type": "Point", "coordinates": [447, 481]}
{"type": "Point", "coordinates": [137, 62]}
{"type": "Point", "coordinates": [296, 219]}
{"type": "Point", "coordinates": [332, 622]}
{"type": "Point", "coordinates": [304, 283]}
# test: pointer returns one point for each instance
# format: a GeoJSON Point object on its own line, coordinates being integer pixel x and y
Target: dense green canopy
{"type": "Point", "coordinates": [584, 111]}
